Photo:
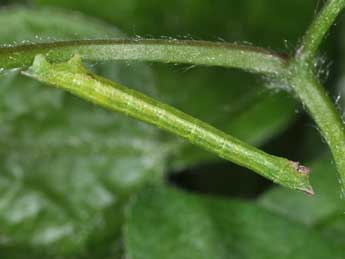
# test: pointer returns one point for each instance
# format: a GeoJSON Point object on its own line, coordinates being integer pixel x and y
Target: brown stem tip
{"type": "Point", "coordinates": [300, 168]}
{"type": "Point", "coordinates": [305, 171]}
{"type": "Point", "coordinates": [309, 192]}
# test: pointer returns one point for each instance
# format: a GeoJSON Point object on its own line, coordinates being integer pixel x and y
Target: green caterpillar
{"type": "Point", "coordinates": [75, 78]}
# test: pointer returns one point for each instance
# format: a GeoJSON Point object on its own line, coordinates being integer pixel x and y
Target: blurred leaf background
{"type": "Point", "coordinates": [77, 181]}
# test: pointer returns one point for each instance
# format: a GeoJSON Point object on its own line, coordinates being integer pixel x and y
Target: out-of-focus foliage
{"type": "Point", "coordinates": [266, 23]}
{"type": "Point", "coordinates": [188, 226]}
{"type": "Point", "coordinates": [68, 168]}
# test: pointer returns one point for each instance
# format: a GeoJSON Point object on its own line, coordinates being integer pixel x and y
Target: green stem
{"type": "Point", "coordinates": [319, 28]}
{"type": "Point", "coordinates": [248, 58]}
{"type": "Point", "coordinates": [302, 78]}
{"type": "Point", "coordinates": [73, 77]}
{"type": "Point", "coordinates": [323, 111]}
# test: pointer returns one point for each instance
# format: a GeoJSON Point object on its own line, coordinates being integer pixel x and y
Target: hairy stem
{"type": "Point", "coordinates": [248, 58]}
{"type": "Point", "coordinates": [323, 111]}
{"type": "Point", "coordinates": [302, 78]}
{"type": "Point", "coordinates": [319, 28]}
{"type": "Point", "coordinates": [73, 77]}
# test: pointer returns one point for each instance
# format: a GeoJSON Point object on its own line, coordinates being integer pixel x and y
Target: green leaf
{"type": "Point", "coordinates": [46, 24]}
{"type": "Point", "coordinates": [67, 167]}
{"type": "Point", "coordinates": [166, 223]}
{"type": "Point", "coordinates": [232, 20]}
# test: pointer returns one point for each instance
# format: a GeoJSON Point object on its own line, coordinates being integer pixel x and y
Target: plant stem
{"type": "Point", "coordinates": [302, 78]}
{"type": "Point", "coordinates": [248, 58]}
{"type": "Point", "coordinates": [318, 29]}
{"type": "Point", "coordinates": [323, 111]}
{"type": "Point", "coordinates": [73, 77]}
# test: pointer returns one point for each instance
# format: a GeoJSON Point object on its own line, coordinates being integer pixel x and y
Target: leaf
{"type": "Point", "coordinates": [230, 20]}
{"type": "Point", "coordinates": [33, 25]}
{"type": "Point", "coordinates": [167, 223]}
{"type": "Point", "coordinates": [67, 167]}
